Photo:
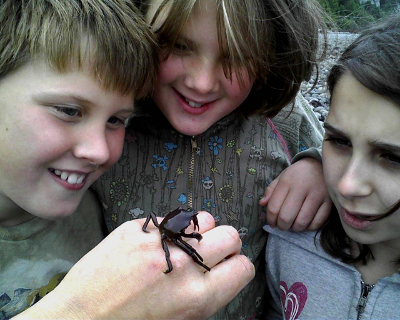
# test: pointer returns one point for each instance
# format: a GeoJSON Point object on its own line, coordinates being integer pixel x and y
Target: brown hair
{"type": "Point", "coordinates": [122, 47]}
{"type": "Point", "coordinates": [374, 60]}
{"type": "Point", "coordinates": [275, 40]}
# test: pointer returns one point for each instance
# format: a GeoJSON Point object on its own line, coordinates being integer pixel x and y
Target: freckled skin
{"type": "Point", "coordinates": [172, 228]}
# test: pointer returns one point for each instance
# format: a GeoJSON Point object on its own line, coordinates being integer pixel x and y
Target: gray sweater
{"type": "Point", "coordinates": [307, 283]}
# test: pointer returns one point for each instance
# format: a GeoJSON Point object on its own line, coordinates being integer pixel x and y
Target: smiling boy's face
{"type": "Point", "coordinates": [58, 134]}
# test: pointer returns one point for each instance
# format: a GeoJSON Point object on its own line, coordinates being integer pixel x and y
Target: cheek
{"type": "Point", "coordinates": [236, 91]}
{"type": "Point", "coordinates": [330, 169]}
{"type": "Point", "coordinates": [39, 139]}
{"type": "Point", "coordinates": [115, 142]}
{"type": "Point", "coordinates": [169, 70]}
{"type": "Point", "coordinates": [388, 191]}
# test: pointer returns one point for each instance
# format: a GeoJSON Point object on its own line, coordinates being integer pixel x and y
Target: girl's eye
{"type": "Point", "coordinates": [338, 142]}
{"type": "Point", "coordinates": [180, 47]}
{"type": "Point", "coordinates": [68, 112]}
{"type": "Point", "coordinates": [391, 159]}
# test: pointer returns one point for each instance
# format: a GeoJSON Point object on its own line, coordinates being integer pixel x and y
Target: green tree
{"type": "Point", "coordinates": [351, 15]}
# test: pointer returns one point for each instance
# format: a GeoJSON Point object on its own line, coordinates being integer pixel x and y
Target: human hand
{"type": "Point", "coordinates": [123, 277]}
{"type": "Point", "coordinates": [298, 198]}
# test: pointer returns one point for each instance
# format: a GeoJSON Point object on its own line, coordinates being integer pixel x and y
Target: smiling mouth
{"type": "Point", "coordinates": [71, 178]}
{"type": "Point", "coordinates": [194, 104]}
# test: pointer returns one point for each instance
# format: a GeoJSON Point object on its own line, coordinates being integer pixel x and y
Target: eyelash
{"type": "Point", "coordinates": [180, 48]}
{"type": "Point", "coordinates": [78, 113]}
{"type": "Point", "coordinates": [120, 121]}
{"type": "Point", "coordinates": [338, 141]}
{"type": "Point", "coordinates": [63, 111]}
{"type": "Point", "coordinates": [392, 159]}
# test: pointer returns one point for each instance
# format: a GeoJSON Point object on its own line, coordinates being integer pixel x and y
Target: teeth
{"type": "Point", "coordinates": [80, 179]}
{"type": "Point", "coordinates": [194, 104]}
{"type": "Point", "coordinates": [71, 178]}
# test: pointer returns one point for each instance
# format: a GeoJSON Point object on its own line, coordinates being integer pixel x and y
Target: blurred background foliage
{"type": "Point", "coordinates": [354, 15]}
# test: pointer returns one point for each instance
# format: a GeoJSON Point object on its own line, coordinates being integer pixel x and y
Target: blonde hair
{"type": "Point", "coordinates": [121, 47]}
{"type": "Point", "coordinates": [275, 40]}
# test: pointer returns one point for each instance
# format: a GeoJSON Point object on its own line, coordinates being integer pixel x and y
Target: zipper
{"type": "Point", "coordinates": [362, 302]}
{"type": "Point", "coordinates": [191, 172]}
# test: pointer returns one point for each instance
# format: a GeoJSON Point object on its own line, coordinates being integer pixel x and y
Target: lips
{"type": "Point", "coordinates": [193, 107]}
{"type": "Point", "coordinates": [355, 220]}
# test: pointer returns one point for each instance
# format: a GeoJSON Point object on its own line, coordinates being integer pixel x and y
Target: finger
{"type": "Point", "coordinates": [321, 216]}
{"type": "Point", "coordinates": [218, 244]}
{"type": "Point", "coordinates": [304, 216]}
{"type": "Point", "coordinates": [206, 222]}
{"type": "Point", "coordinates": [275, 203]}
{"type": "Point", "coordinates": [290, 210]}
{"type": "Point", "coordinates": [308, 212]}
{"type": "Point", "coordinates": [268, 192]}
{"type": "Point", "coordinates": [226, 280]}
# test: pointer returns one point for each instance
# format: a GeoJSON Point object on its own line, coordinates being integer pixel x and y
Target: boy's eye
{"type": "Point", "coordinates": [114, 121]}
{"type": "Point", "coordinates": [68, 111]}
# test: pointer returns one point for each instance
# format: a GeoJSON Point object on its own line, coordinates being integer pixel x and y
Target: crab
{"type": "Point", "coordinates": [172, 228]}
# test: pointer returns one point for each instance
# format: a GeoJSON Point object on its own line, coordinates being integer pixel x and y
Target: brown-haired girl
{"type": "Point", "coordinates": [352, 271]}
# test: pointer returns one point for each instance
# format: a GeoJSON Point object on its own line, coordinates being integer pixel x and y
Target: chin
{"type": "Point", "coordinates": [190, 131]}
{"type": "Point", "coordinates": [61, 212]}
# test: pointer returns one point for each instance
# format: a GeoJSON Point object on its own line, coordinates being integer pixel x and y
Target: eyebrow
{"type": "Point", "coordinates": [386, 146]}
{"type": "Point", "coordinates": [334, 130]}
{"type": "Point", "coordinates": [47, 97]}
{"type": "Point", "coordinates": [376, 143]}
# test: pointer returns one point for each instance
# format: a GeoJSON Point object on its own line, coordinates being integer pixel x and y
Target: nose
{"type": "Point", "coordinates": [203, 76]}
{"type": "Point", "coordinates": [92, 145]}
{"type": "Point", "coordinates": [355, 180]}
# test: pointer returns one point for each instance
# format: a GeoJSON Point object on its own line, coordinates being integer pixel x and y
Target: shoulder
{"type": "Point", "coordinates": [302, 247]}
{"type": "Point", "coordinates": [308, 240]}
{"type": "Point", "coordinates": [299, 126]}
{"type": "Point", "coordinates": [300, 112]}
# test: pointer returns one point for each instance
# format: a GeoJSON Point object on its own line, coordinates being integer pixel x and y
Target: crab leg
{"type": "Point", "coordinates": [151, 216]}
{"type": "Point", "coordinates": [191, 252]}
{"type": "Point", "coordinates": [167, 254]}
